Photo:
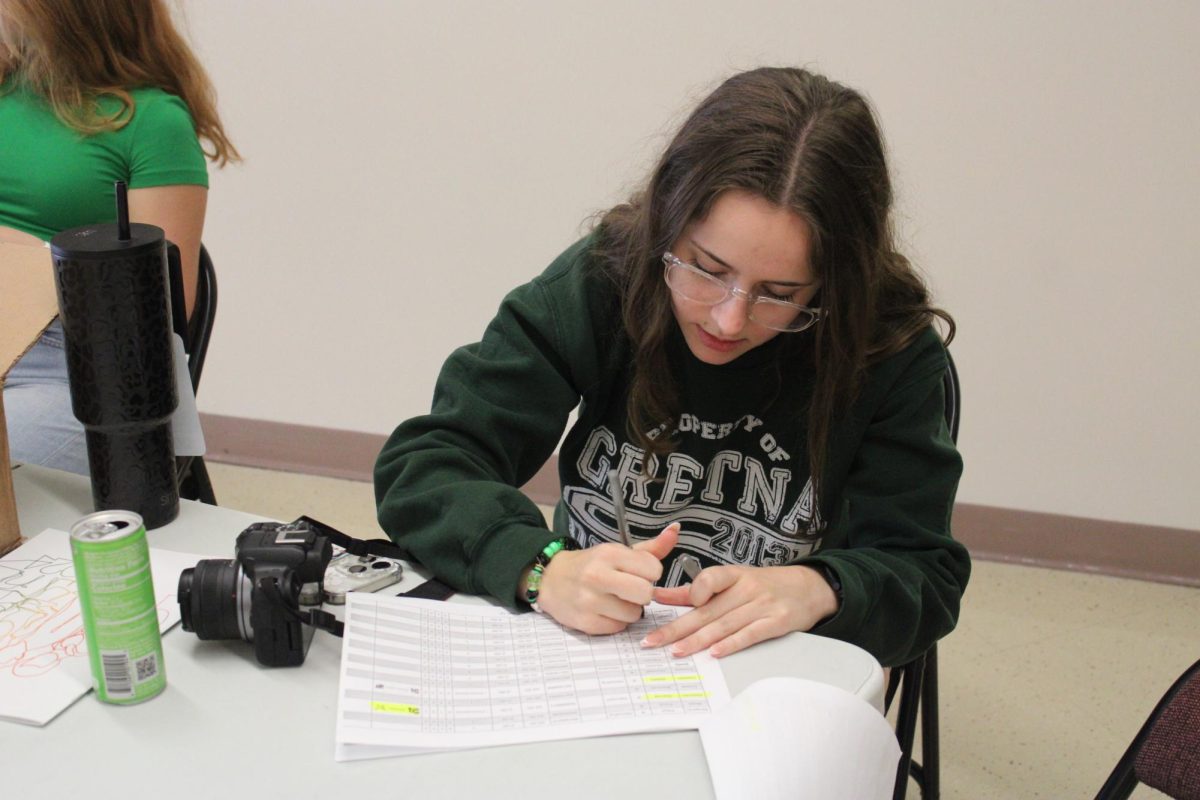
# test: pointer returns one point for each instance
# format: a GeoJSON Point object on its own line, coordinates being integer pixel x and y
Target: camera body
{"type": "Point", "coordinates": [257, 595]}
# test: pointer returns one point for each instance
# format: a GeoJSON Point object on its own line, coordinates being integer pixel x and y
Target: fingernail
{"type": "Point", "coordinates": [648, 642]}
{"type": "Point", "coordinates": [677, 651]}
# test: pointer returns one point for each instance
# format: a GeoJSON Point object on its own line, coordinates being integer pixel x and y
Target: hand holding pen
{"type": "Point", "coordinates": [691, 564]}
{"type": "Point", "coordinates": [605, 588]}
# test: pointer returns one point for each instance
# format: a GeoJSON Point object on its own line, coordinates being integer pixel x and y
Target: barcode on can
{"type": "Point", "coordinates": [146, 667]}
{"type": "Point", "coordinates": [117, 677]}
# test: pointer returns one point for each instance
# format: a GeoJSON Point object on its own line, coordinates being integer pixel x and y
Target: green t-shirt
{"type": "Point", "coordinates": [52, 177]}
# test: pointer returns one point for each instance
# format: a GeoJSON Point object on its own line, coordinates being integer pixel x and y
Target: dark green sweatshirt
{"type": "Point", "coordinates": [738, 481]}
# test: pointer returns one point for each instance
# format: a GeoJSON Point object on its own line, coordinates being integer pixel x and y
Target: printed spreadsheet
{"type": "Point", "coordinates": [422, 676]}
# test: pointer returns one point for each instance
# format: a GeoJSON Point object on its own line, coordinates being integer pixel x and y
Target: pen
{"type": "Point", "coordinates": [691, 564]}
{"type": "Point", "coordinates": [618, 498]}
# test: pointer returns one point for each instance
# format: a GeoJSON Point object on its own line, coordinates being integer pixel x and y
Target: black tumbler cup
{"type": "Point", "coordinates": [113, 298]}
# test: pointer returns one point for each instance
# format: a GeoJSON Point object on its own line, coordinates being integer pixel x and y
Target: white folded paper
{"type": "Point", "coordinates": [794, 738]}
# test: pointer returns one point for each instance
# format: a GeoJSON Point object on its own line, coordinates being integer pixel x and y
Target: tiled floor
{"type": "Point", "coordinates": [1043, 685]}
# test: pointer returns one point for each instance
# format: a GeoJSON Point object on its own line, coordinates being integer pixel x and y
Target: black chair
{"type": "Point", "coordinates": [1165, 754]}
{"type": "Point", "coordinates": [917, 680]}
{"type": "Point", "coordinates": [192, 474]}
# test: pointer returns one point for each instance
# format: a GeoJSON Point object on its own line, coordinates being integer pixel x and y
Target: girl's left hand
{"type": "Point", "coordinates": [736, 607]}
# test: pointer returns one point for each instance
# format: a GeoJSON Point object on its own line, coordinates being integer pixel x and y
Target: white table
{"type": "Point", "coordinates": [227, 727]}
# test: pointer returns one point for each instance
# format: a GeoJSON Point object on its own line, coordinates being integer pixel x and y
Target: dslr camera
{"type": "Point", "coordinates": [271, 591]}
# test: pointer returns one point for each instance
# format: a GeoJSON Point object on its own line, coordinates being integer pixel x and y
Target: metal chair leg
{"type": "Point", "coordinates": [931, 784]}
{"type": "Point", "coordinates": [204, 487]}
{"type": "Point", "coordinates": [906, 722]}
{"type": "Point", "coordinates": [194, 483]}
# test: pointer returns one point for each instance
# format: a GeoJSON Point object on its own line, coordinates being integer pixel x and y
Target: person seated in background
{"type": "Point", "coordinates": [92, 92]}
{"type": "Point", "coordinates": [757, 362]}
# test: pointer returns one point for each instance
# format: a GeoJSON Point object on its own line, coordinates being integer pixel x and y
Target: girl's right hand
{"type": "Point", "coordinates": [603, 589]}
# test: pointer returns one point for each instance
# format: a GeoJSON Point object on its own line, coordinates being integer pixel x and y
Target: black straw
{"type": "Point", "coordinates": [122, 212]}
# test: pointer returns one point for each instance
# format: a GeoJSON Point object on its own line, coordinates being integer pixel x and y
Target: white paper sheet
{"type": "Point", "coordinates": [43, 656]}
{"type": "Point", "coordinates": [795, 738]}
{"type": "Point", "coordinates": [420, 676]}
{"type": "Point", "coordinates": [186, 433]}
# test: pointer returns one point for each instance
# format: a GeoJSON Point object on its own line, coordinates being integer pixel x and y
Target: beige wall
{"type": "Point", "coordinates": [407, 163]}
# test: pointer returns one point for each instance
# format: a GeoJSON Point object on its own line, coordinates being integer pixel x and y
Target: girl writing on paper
{"type": "Point", "coordinates": [92, 92]}
{"type": "Point", "coordinates": [755, 360]}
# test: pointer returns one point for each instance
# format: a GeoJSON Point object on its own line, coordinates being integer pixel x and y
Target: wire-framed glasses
{"type": "Point", "coordinates": [692, 283]}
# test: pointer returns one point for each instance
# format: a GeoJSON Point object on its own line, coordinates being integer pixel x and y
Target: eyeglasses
{"type": "Point", "coordinates": [692, 283]}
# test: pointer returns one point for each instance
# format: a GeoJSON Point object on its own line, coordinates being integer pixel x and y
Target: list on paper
{"type": "Point", "coordinates": [422, 676]}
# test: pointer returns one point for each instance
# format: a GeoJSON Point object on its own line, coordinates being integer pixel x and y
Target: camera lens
{"type": "Point", "coordinates": [210, 600]}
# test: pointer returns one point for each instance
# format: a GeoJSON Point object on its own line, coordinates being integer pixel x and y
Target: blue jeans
{"type": "Point", "coordinates": [42, 428]}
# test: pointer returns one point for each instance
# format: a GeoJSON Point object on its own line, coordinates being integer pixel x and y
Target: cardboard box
{"type": "Point", "coordinates": [28, 304]}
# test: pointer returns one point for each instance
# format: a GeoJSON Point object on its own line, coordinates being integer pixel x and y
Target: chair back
{"type": "Point", "coordinates": [191, 472]}
{"type": "Point", "coordinates": [1165, 754]}
{"type": "Point", "coordinates": [917, 680]}
{"type": "Point", "coordinates": [204, 314]}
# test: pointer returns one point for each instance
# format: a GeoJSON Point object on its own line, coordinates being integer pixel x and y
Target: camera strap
{"type": "Point", "coordinates": [316, 617]}
{"type": "Point", "coordinates": [323, 620]}
{"type": "Point", "coordinates": [359, 547]}
{"type": "Point", "coordinates": [432, 589]}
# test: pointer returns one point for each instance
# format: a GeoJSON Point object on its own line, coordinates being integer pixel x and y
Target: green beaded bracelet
{"type": "Point", "coordinates": [533, 583]}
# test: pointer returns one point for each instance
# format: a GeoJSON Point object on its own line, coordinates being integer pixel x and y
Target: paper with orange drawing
{"type": "Point", "coordinates": [43, 655]}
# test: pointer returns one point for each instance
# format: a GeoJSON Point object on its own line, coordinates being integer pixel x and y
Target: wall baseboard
{"type": "Point", "coordinates": [290, 448]}
{"type": "Point", "coordinates": [1056, 541]}
{"type": "Point", "coordinates": [1081, 544]}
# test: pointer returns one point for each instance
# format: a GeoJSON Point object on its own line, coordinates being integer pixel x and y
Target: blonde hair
{"type": "Point", "coordinates": [72, 52]}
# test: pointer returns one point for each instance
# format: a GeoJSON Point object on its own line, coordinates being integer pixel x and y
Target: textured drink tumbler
{"type": "Point", "coordinates": [113, 299]}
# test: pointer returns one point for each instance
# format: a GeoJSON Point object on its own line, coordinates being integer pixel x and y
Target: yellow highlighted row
{"type": "Point", "coordinates": [395, 708]}
{"type": "Point", "coordinates": [664, 678]}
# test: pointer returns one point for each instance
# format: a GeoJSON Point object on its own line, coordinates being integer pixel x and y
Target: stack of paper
{"type": "Point", "coordinates": [420, 676]}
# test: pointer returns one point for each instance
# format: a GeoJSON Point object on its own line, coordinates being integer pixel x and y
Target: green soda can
{"type": "Point", "coordinates": [116, 600]}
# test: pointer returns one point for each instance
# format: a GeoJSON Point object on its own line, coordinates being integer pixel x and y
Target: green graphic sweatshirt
{"type": "Point", "coordinates": [737, 481]}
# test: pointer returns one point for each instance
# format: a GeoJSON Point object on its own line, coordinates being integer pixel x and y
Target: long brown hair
{"type": "Point", "coordinates": [804, 143]}
{"type": "Point", "coordinates": [72, 52]}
